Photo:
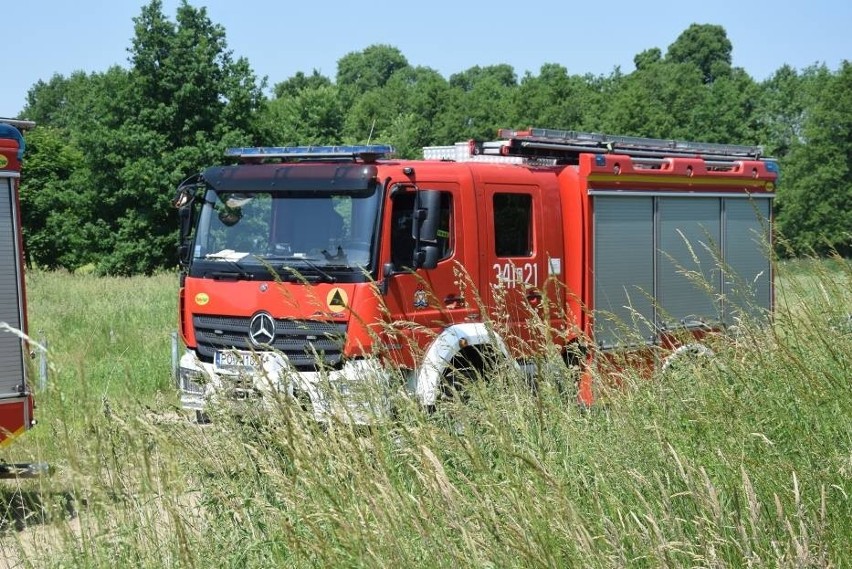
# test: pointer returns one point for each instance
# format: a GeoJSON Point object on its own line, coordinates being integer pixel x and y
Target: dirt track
{"type": "Point", "coordinates": [32, 524]}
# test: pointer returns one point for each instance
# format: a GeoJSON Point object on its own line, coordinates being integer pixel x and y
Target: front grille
{"type": "Point", "coordinates": [302, 341]}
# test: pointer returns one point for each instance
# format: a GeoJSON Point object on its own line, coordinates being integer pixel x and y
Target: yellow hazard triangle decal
{"type": "Point", "coordinates": [337, 300]}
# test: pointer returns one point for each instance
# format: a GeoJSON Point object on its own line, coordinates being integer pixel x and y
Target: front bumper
{"type": "Point", "coordinates": [358, 393]}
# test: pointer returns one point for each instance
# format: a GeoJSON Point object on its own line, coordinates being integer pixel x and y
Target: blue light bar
{"type": "Point", "coordinates": [9, 131]}
{"type": "Point", "coordinates": [364, 151]}
{"type": "Point", "coordinates": [772, 166]}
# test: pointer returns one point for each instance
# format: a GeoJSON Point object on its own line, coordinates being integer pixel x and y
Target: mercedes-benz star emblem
{"type": "Point", "coordinates": [262, 329]}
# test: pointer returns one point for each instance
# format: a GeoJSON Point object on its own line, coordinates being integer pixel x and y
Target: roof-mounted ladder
{"type": "Point", "coordinates": [566, 145]}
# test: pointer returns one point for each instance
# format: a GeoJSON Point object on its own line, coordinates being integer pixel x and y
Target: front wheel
{"type": "Point", "coordinates": [469, 366]}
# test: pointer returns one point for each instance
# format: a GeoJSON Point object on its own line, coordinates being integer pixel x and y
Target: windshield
{"type": "Point", "coordinates": [304, 231]}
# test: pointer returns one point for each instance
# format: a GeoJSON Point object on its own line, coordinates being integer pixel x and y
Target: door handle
{"type": "Point", "coordinates": [534, 298]}
{"type": "Point", "coordinates": [454, 300]}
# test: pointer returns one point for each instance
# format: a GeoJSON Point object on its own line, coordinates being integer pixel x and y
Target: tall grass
{"type": "Point", "coordinates": [744, 459]}
{"type": "Point", "coordinates": [106, 335]}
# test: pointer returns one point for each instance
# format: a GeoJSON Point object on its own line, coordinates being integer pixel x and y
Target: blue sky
{"type": "Point", "coordinates": [279, 38]}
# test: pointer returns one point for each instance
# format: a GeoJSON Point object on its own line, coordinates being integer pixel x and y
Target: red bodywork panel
{"type": "Point", "coordinates": [15, 417]}
{"type": "Point", "coordinates": [9, 155]}
{"type": "Point", "coordinates": [326, 302]}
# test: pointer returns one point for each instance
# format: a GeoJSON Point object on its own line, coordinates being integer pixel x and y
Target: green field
{"type": "Point", "coordinates": [741, 460]}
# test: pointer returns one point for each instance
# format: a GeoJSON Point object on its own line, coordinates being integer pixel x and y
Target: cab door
{"type": "Point", "coordinates": [422, 302]}
{"type": "Point", "coordinates": [517, 262]}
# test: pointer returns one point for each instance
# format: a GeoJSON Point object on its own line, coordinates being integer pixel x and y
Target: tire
{"type": "Point", "coordinates": [687, 353]}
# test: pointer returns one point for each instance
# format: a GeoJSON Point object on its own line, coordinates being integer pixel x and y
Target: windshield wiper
{"type": "Point", "coordinates": [309, 262]}
{"type": "Point", "coordinates": [235, 269]}
{"type": "Point", "coordinates": [229, 275]}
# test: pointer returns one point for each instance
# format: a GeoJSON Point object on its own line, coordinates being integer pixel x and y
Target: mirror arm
{"type": "Point", "coordinates": [388, 271]}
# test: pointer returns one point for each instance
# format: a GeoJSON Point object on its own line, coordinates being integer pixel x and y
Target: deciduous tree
{"type": "Point", "coordinates": [707, 47]}
{"type": "Point", "coordinates": [816, 192]}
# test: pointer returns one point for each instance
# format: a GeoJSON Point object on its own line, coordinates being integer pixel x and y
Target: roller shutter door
{"type": "Point", "coordinates": [624, 270]}
{"type": "Point", "coordinates": [11, 347]}
{"type": "Point", "coordinates": [689, 281]}
{"type": "Point", "coordinates": [748, 273]}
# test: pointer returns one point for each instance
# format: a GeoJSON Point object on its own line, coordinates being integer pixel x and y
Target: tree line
{"type": "Point", "coordinates": [111, 146]}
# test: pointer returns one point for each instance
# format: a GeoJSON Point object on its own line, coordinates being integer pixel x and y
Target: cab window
{"type": "Point", "coordinates": [513, 225]}
{"type": "Point", "coordinates": [402, 242]}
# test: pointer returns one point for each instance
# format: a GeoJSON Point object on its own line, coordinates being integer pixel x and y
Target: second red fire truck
{"type": "Point", "coordinates": [16, 401]}
{"type": "Point", "coordinates": [324, 272]}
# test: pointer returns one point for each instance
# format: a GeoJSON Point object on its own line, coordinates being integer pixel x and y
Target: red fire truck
{"type": "Point", "coordinates": [16, 401]}
{"type": "Point", "coordinates": [317, 271]}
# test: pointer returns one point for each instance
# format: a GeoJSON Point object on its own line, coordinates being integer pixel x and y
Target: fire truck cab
{"type": "Point", "coordinates": [317, 271]}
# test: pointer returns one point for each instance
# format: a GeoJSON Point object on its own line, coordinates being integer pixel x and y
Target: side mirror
{"type": "Point", "coordinates": [185, 216]}
{"type": "Point", "coordinates": [427, 215]}
{"type": "Point", "coordinates": [184, 201]}
{"type": "Point", "coordinates": [426, 257]}
{"type": "Point", "coordinates": [183, 253]}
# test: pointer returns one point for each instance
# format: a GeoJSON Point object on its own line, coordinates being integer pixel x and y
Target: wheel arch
{"type": "Point", "coordinates": [451, 343]}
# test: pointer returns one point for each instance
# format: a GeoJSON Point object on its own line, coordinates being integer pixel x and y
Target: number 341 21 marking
{"type": "Point", "coordinates": [512, 275]}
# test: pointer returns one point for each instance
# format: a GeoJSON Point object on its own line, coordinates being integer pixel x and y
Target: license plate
{"type": "Point", "coordinates": [236, 359]}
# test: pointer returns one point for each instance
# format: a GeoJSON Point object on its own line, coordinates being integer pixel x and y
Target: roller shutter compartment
{"type": "Point", "coordinates": [11, 346]}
